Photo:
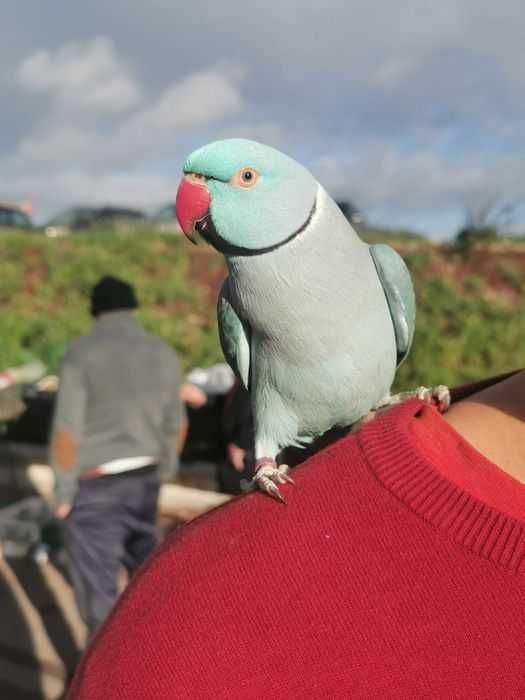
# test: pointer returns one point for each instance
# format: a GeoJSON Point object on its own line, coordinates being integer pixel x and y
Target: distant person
{"type": "Point", "coordinates": [236, 471]}
{"type": "Point", "coordinates": [236, 467]}
{"type": "Point", "coordinates": [118, 426]}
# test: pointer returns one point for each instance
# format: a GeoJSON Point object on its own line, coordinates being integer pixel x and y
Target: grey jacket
{"type": "Point", "coordinates": [119, 397]}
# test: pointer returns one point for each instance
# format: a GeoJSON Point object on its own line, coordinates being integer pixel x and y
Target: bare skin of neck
{"type": "Point", "coordinates": [493, 421]}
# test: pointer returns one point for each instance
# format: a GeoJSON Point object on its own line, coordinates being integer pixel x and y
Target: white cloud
{"type": "Point", "coordinates": [66, 158]}
{"type": "Point", "coordinates": [381, 176]}
{"type": "Point", "coordinates": [417, 105]}
{"type": "Point", "coordinates": [202, 97]}
{"type": "Point", "coordinates": [62, 140]}
{"type": "Point", "coordinates": [57, 145]}
{"type": "Point", "coordinates": [393, 71]}
{"type": "Point", "coordinates": [74, 186]}
{"type": "Point", "coordinates": [81, 76]}
{"type": "Point", "coordinates": [270, 133]}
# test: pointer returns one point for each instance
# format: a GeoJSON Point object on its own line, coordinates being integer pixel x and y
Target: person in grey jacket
{"type": "Point", "coordinates": [118, 426]}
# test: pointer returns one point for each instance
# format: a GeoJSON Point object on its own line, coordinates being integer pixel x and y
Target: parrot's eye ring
{"type": "Point", "coordinates": [246, 177]}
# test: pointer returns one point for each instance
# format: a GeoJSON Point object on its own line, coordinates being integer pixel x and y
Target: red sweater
{"type": "Point", "coordinates": [397, 569]}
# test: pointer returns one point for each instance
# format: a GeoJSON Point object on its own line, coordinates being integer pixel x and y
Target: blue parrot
{"type": "Point", "coordinates": [312, 320]}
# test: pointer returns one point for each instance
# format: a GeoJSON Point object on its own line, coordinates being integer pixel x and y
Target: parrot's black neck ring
{"type": "Point", "coordinates": [207, 230]}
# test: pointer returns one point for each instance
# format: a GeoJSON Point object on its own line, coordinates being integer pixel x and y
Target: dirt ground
{"type": "Point", "coordinates": [41, 634]}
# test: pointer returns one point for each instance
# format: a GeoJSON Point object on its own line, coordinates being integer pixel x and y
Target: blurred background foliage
{"type": "Point", "coordinates": [470, 303]}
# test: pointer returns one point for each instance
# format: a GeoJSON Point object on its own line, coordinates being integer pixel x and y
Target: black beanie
{"type": "Point", "coordinates": [111, 294]}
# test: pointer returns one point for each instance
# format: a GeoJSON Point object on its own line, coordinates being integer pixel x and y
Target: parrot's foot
{"type": "Point", "coordinates": [438, 396]}
{"type": "Point", "coordinates": [268, 475]}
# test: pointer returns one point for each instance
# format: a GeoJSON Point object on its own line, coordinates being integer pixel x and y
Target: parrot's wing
{"type": "Point", "coordinates": [234, 336]}
{"type": "Point", "coordinates": [399, 293]}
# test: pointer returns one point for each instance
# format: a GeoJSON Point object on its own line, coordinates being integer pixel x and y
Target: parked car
{"type": "Point", "coordinates": [12, 216]}
{"type": "Point", "coordinates": [85, 218]}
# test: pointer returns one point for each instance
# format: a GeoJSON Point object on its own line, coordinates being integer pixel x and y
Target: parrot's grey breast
{"type": "Point", "coordinates": [322, 336]}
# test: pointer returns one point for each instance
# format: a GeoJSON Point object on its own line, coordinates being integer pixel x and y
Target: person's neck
{"type": "Point", "coordinates": [116, 315]}
{"type": "Point", "coordinates": [493, 421]}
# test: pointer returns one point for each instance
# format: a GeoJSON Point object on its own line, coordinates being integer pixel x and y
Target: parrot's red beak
{"type": "Point", "coordinates": [192, 203]}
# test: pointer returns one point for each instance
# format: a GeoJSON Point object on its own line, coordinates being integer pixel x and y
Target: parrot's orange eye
{"type": "Point", "coordinates": [247, 177]}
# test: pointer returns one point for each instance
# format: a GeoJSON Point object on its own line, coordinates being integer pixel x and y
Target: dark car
{"type": "Point", "coordinates": [85, 218]}
{"type": "Point", "coordinates": [13, 217]}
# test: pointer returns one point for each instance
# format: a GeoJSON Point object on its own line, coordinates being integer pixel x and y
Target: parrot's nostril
{"type": "Point", "coordinates": [196, 177]}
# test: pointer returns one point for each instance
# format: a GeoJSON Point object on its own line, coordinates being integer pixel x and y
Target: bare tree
{"type": "Point", "coordinates": [486, 220]}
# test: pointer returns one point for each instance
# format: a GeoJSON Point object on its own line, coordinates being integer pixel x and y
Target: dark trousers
{"type": "Point", "coordinates": [112, 524]}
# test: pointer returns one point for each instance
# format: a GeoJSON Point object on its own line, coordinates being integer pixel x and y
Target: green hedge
{"type": "Point", "coordinates": [45, 285]}
{"type": "Point", "coordinates": [464, 330]}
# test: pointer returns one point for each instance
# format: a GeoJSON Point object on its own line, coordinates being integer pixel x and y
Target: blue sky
{"type": "Point", "coordinates": [414, 110]}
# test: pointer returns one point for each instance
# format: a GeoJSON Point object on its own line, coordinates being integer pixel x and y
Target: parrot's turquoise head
{"type": "Point", "coordinates": [244, 197]}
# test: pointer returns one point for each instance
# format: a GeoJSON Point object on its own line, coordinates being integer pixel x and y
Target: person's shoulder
{"type": "Point", "coordinates": [220, 566]}
{"type": "Point", "coordinates": [163, 350]}
{"type": "Point", "coordinates": [78, 349]}
{"type": "Point", "coordinates": [324, 489]}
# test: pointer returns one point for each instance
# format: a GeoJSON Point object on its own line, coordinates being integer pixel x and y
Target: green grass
{"type": "Point", "coordinates": [466, 329]}
{"type": "Point", "coordinates": [459, 340]}
{"type": "Point", "coordinates": [45, 285]}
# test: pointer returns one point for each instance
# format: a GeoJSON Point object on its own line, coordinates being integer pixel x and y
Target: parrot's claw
{"type": "Point", "coordinates": [435, 395]}
{"type": "Point", "coordinates": [438, 396]}
{"type": "Point", "coordinates": [269, 475]}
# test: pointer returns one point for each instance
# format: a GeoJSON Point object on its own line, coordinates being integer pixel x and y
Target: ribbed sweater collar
{"type": "Point", "coordinates": [409, 474]}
